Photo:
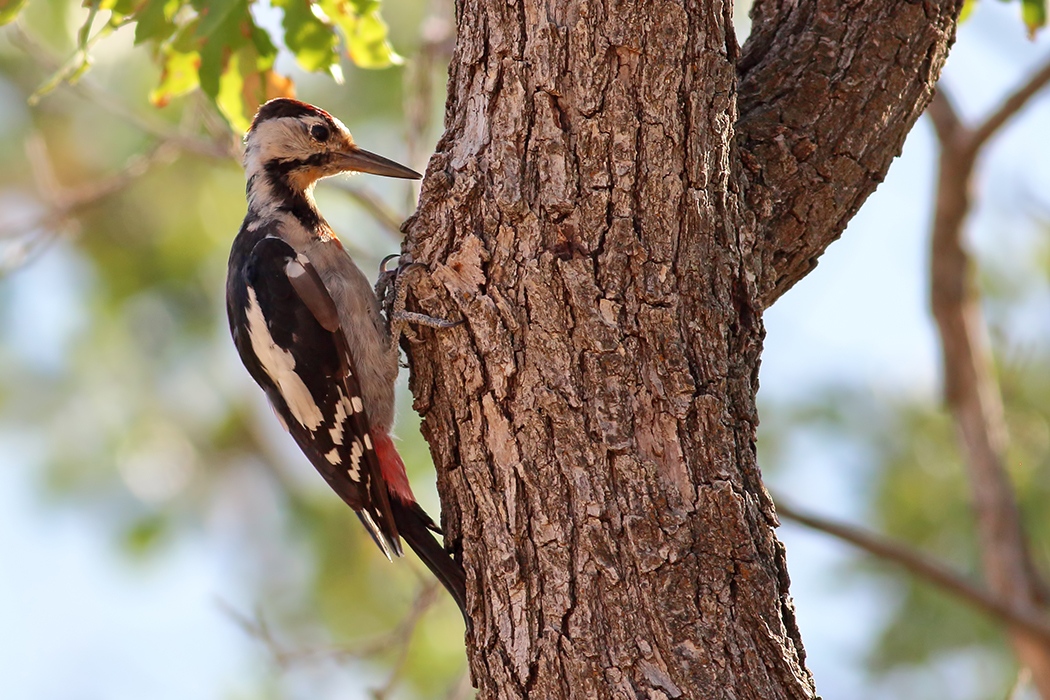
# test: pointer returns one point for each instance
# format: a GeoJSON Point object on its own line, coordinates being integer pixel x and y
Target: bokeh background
{"type": "Point", "coordinates": [160, 536]}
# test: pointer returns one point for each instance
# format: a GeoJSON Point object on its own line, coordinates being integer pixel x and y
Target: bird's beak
{"type": "Point", "coordinates": [362, 161]}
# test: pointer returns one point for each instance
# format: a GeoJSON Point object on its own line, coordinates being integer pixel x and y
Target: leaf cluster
{"type": "Point", "coordinates": [220, 48]}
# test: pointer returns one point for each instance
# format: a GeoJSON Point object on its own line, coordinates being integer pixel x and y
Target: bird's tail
{"type": "Point", "coordinates": [415, 526]}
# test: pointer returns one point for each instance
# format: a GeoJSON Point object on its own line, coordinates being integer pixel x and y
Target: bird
{"type": "Point", "coordinates": [311, 331]}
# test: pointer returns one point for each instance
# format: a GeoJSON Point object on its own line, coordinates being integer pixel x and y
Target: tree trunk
{"type": "Point", "coordinates": [618, 195]}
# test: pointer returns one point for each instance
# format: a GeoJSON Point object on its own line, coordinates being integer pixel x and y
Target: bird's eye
{"type": "Point", "coordinates": [319, 132]}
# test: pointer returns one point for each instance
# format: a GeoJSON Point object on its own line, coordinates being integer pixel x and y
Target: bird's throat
{"type": "Point", "coordinates": [272, 194]}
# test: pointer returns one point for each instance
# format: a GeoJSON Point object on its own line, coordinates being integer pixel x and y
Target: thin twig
{"type": "Point", "coordinates": [462, 688]}
{"type": "Point", "coordinates": [34, 235]}
{"type": "Point", "coordinates": [927, 568]}
{"type": "Point", "coordinates": [375, 207]}
{"type": "Point", "coordinates": [423, 602]}
{"type": "Point", "coordinates": [1011, 106]}
{"type": "Point", "coordinates": [98, 96]}
{"type": "Point", "coordinates": [256, 627]}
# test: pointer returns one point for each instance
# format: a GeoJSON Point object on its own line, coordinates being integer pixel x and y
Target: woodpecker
{"type": "Point", "coordinates": [310, 330]}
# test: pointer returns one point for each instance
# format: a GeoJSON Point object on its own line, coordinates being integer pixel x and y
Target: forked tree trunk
{"type": "Point", "coordinates": [618, 195]}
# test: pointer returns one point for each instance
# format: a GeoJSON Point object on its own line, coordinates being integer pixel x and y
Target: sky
{"type": "Point", "coordinates": [845, 323]}
{"type": "Point", "coordinates": [80, 622]}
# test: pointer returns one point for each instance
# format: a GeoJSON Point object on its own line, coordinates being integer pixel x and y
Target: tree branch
{"type": "Point", "coordinates": [397, 639]}
{"type": "Point", "coordinates": [927, 568]}
{"type": "Point", "coordinates": [31, 237]}
{"type": "Point", "coordinates": [375, 207]}
{"type": "Point", "coordinates": [1011, 106]}
{"type": "Point", "coordinates": [827, 94]}
{"type": "Point", "coordinates": [219, 148]}
{"type": "Point", "coordinates": [970, 387]}
{"type": "Point", "coordinates": [945, 118]}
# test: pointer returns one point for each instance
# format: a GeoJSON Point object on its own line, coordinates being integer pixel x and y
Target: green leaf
{"type": "Point", "coordinates": [180, 75]}
{"type": "Point", "coordinates": [155, 20]}
{"type": "Point", "coordinates": [211, 68]}
{"type": "Point", "coordinates": [364, 31]}
{"type": "Point", "coordinates": [9, 9]}
{"type": "Point", "coordinates": [263, 44]}
{"type": "Point", "coordinates": [146, 534]}
{"type": "Point", "coordinates": [222, 31]}
{"type": "Point", "coordinates": [310, 38]}
{"type": "Point", "coordinates": [363, 7]}
{"type": "Point", "coordinates": [230, 97]}
{"type": "Point", "coordinates": [246, 83]}
{"type": "Point", "coordinates": [120, 7]}
{"type": "Point", "coordinates": [1034, 14]}
{"type": "Point", "coordinates": [215, 17]}
{"type": "Point", "coordinates": [967, 9]}
{"type": "Point", "coordinates": [185, 39]}
{"type": "Point", "coordinates": [368, 45]}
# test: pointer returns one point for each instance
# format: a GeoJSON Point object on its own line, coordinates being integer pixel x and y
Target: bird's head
{"type": "Point", "coordinates": [300, 144]}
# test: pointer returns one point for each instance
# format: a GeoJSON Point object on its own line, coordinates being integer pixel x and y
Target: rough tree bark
{"type": "Point", "coordinates": [619, 194]}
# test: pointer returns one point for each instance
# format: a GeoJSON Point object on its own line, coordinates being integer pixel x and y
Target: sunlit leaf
{"type": "Point", "coordinates": [363, 7]}
{"type": "Point", "coordinates": [230, 98]}
{"type": "Point", "coordinates": [265, 46]}
{"type": "Point", "coordinates": [9, 9]}
{"type": "Point", "coordinates": [365, 33]}
{"type": "Point", "coordinates": [1034, 14]}
{"type": "Point", "coordinates": [179, 76]}
{"type": "Point", "coordinates": [120, 7]}
{"type": "Point", "coordinates": [310, 38]}
{"type": "Point", "coordinates": [368, 45]}
{"type": "Point", "coordinates": [247, 82]}
{"type": "Point", "coordinates": [967, 9]}
{"type": "Point", "coordinates": [223, 30]}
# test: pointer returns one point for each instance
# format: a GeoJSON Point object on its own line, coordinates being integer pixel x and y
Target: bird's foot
{"type": "Point", "coordinates": [392, 291]}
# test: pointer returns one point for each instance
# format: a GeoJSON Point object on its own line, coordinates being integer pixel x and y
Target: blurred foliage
{"type": "Point", "coordinates": [914, 482]}
{"type": "Point", "coordinates": [117, 370]}
{"type": "Point", "coordinates": [220, 47]}
{"type": "Point", "coordinates": [1033, 13]}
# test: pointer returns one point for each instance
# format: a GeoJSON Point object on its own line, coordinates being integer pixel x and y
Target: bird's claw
{"type": "Point", "coordinates": [384, 261]}
{"type": "Point", "coordinates": [392, 291]}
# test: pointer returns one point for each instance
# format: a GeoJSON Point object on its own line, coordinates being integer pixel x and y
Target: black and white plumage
{"type": "Point", "coordinates": [295, 350]}
{"type": "Point", "coordinates": [308, 326]}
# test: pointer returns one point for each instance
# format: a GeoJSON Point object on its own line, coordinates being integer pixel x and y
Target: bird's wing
{"type": "Point", "coordinates": [295, 335]}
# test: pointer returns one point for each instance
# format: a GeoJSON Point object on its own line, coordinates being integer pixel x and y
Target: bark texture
{"type": "Point", "coordinates": [828, 92]}
{"type": "Point", "coordinates": [610, 227]}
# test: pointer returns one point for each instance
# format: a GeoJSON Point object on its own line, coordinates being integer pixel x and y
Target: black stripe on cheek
{"type": "Point", "coordinates": [283, 167]}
